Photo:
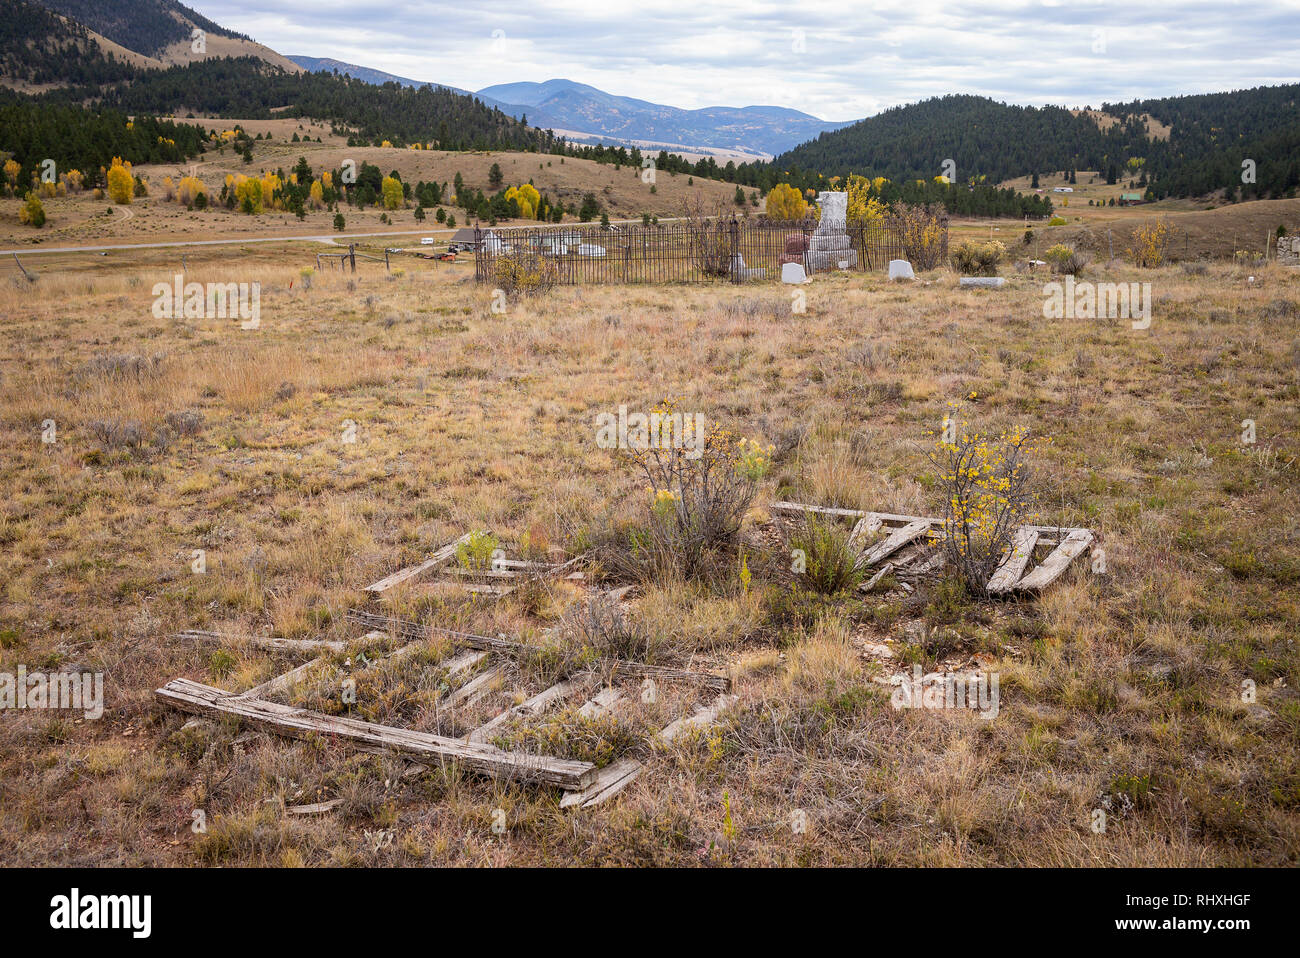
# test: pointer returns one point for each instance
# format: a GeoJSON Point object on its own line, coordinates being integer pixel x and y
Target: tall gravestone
{"type": "Point", "coordinates": [829, 247]}
{"type": "Point", "coordinates": [1288, 250]}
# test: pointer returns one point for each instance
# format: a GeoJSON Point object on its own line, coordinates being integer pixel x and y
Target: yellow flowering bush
{"type": "Point", "coordinates": [753, 460]}
{"type": "Point", "coordinates": [520, 271]}
{"type": "Point", "coordinates": [985, 482]}
{"type": "Point", "coordinates": [1151, 244]}
{"type": "Point", "coordinates": [923, 235]}
{"type": "Point", "coordinates": [701, 484]}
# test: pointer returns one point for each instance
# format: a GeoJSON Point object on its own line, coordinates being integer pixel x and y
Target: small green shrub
{"type": "Point", "coordinates": [828, 567]}
{"type": "Point", "coordinates": [477, 552]}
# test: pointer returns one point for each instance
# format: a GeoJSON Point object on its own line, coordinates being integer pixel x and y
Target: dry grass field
{"type": "Point", "coordinates": [1120, 691]}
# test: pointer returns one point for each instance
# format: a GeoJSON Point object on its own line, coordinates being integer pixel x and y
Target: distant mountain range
{"type": "Point", "coordinates": [579, 108]}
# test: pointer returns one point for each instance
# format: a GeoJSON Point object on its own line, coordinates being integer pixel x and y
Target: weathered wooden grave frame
{"type": "Point", "coordinates": [1067, 542]}
{"type": "Point", "coordinates": [585, 784]}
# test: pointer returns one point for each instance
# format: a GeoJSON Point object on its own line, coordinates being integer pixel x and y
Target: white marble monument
{"type": "Point", "coordinates": [829, 247]}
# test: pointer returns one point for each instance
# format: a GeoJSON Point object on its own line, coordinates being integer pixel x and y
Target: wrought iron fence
{"type": "Point", "coordinates": [738, 250]}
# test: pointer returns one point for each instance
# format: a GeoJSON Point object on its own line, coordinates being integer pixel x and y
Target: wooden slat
{"type": "Point", "coordinates": [601, 703]}
{"type": "Point", "coordinates": [263, 641]}
{"type": "Point", "coordinates": [1050, 569]}
{"type": "Point", "coordinates": [474, 690]}
{"type": "Point", "coordinates": [863, 528]}
{"type": "Point", "coordinates": [462, 572]}
{"type": "Point", "coordinates": [463, 660]}
{"type": "Point", "coordinates": [534, 706]}
{"type": "Point", "coordinates": [301, 723]}
{"type": "Point", "coordinates": [320, 808]}
{"type": "Point", "coordinates": [1013, 566]}
{"type": "Point", "coordinates": [609, 782]}
{"type": "Point", "coordinates": [883, 571]}
{"type": "Point", "coordinates": [936, 561]}
{"type": "Point", "coordinates": [887, 518]}
{"type": "Point", "coordinates": [414, 630]}
{"type": "Point", "coordinates": [701, 719]}
{"type": "Point", "coordinates": [437, 560]}
{"type": "Point", "coordinates": [913, 530]}
{"type": "Point", "coordinates": [281, 683]}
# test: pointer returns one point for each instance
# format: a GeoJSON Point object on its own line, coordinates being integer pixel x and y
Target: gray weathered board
{"type": "Point", "coordinates": [902, 531]}
{"type": "Point", "coordinates": [296, 722]}
{"type": "Point", "coordinates": [436, 561]}
{"type": "Point", "coordinates": [474, 752]}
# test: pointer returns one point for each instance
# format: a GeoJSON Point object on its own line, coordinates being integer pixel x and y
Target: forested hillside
{"type": "Point", "coordinates": [145, 26]}
{"type": "Point", "coordinates": [79, 138]}
{"type": "Point", "coordinates": [37, 47]}
{"type": "Point", "coordinates": [1211, 135]}
{"type": "Point", "coordinates": [983, 138]}
{"type": "Point", "coordinates": [248, 88]}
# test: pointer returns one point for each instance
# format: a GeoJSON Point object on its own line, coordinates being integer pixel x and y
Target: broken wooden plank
{"type": "Point", "coordinates": [301, 723]}
{"type": "Point", "coordinates": [886, 518]}
{"type": "Point", "coordinates": [519, 569]}
{"type": "Point", "coordinates": [864, 527]}
{"type": "Point", "coordinates": [703, 718]}
{"type": "Point", "coordinates": [883, 571]}
{"type": "Point", "coordinates": [934, 562]}
{"type": "Point", "coordinates": [534, 706]}
{"type": "Point", "coordinates": [435, 561]}
{"type": "Point", "coordinates": [281, 683]}
{"type": "Point", "coordinates": [461, 571]}
{"type": "Point", "coordinates": [493, 590]}
{"type": "Point", "coordinates": [319, 808]}
{"type": "Point", "coordinates": [463, 660]}
{"type": "Point", "coordinates": [1050, 569]}
{"type": "Point", "coordinates": [416, 631]}
{"type": "Point", "coordinates": [601, 703]}
{"type": "Point", "coordinates": [619, 594]}
{"type": "Point", "coordinates": [896, 540]}
{"type": "Point", "coordinates": [609, 782]}
{"type": "Point", "coordinates": [263, 641]}
{"type": "Point", "coordinates": [475, 689]}
{"type": "Point", "coordinates": [1008, 573]}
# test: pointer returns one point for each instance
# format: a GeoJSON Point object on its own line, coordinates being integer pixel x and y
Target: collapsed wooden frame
{"type": "Point", "coordinates": [586, 784]}
{"type": "Point", "coordinates": [1068, 543]}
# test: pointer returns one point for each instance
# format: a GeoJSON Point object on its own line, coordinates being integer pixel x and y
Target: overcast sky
{"type": "Point", "coordinates": [837, 60]}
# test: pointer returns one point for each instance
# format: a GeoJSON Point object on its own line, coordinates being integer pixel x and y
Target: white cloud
{"type": "Point", "coordinates": [853, 62]}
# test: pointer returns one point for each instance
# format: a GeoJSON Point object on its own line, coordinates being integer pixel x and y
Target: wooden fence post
{"type": "Point", "coordinates": [352, 255]}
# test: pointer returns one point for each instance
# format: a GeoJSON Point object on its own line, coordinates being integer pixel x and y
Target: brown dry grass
{"type": "Point", "coordinates": [1123, 684]}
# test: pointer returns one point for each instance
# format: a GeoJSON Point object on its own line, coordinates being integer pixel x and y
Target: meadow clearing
{"type": "Point", "coordinates": [1121, 691]}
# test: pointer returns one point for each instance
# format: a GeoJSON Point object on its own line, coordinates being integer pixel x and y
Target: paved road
{"type": "Point", "coordinates": [328, 239]}
{"type": "Point", "coordinates": [34, 250]}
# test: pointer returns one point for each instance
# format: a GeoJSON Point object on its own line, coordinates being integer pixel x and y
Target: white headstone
{"type": "Point", "coordinates": [793, 273]}
{"type": "Point", "coordinates": [830, 247]}
{"type": "Point", "coordinates": [992, 282]}
{"type": "Point", "coordinates": [900, 269]}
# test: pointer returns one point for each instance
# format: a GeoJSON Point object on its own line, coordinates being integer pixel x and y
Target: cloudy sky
{"type": "Point", "coordinates": [838, 60]}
